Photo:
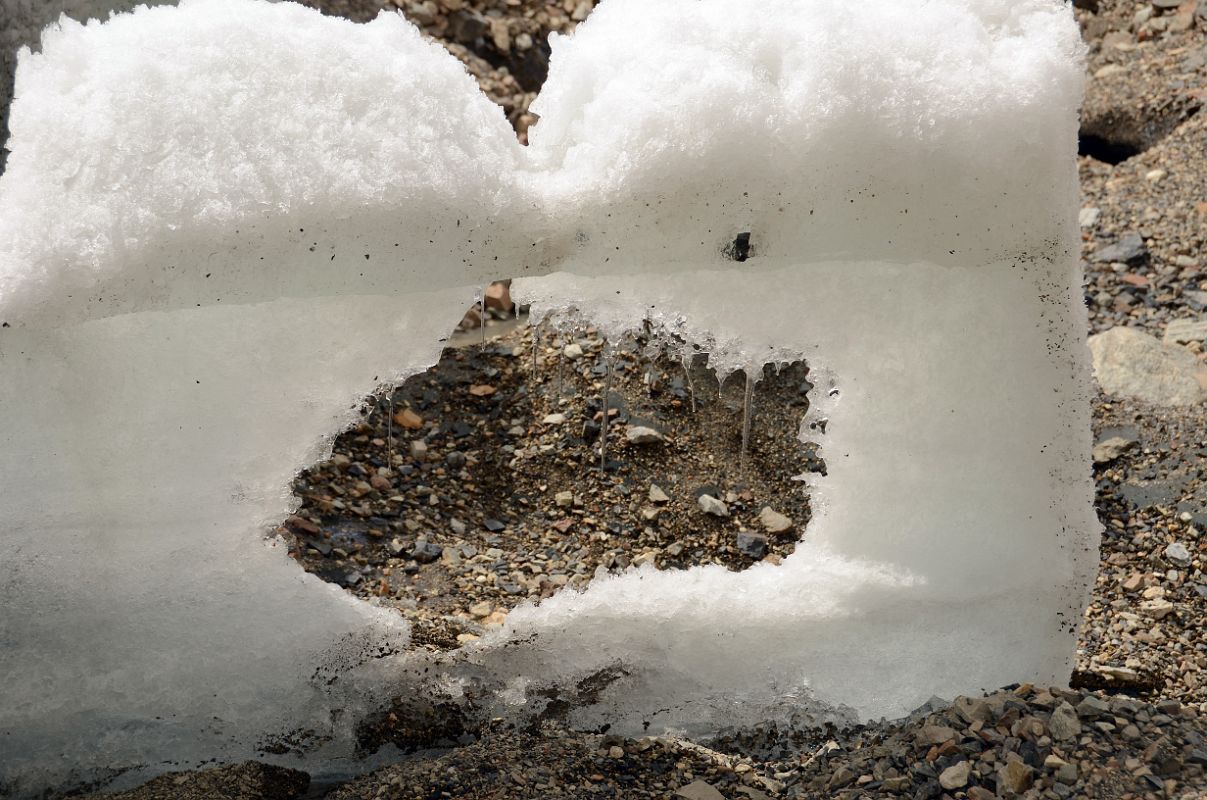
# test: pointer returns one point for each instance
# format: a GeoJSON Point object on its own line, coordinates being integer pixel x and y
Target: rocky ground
{"type": "Point", "coordinates": [480, 484]}
{"type": "Point", "coordinates": [477, 486]}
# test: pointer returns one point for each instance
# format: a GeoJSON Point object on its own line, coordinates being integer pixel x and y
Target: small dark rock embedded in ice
{"type": "Point", "coordinates": [740, 249]}
{"type": "Point", "coordinates": [750, 544]}
{"type": "Point", "coordinates": [1127, 250]}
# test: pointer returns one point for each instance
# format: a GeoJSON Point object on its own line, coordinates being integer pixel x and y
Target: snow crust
{"type": "Point", "coordinates": [224, 223]}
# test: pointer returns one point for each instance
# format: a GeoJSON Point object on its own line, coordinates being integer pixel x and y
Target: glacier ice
{"type": "Point", "coordinates": [225, 222]}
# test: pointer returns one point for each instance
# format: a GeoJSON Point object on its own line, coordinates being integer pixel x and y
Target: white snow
{"type": "Point", "coordinates": [224, 223]}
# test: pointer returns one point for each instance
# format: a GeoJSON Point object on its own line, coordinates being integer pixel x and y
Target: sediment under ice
{"type": "Point", "coordinates": [224, 223]}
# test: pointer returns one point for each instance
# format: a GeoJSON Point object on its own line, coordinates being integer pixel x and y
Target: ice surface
{"type": "Point", "coordinates": [21, 24]}
{"type": "Point", "coordinates": [224, 223]}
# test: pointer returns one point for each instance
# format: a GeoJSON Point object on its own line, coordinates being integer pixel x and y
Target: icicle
{"type": "Point", "coordinates": [536, 343]}
{"type": "Point", "coordinates": [691, 386]}
{"type": "Point", "coordinates": [747, 403]}
{"type": "Point", "coordinates": [390, 431]}
{"type": "Point", "coordinates": [483, 301]}
{"type": "Point", "coordinates": [561, 368]}
{"type": "Point", "coordinates": [603, 428]}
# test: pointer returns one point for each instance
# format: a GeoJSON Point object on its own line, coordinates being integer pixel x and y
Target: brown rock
{"type": "Point", "coordinates": [408, 419]}
{"type": "Point", "coordinates": [934, 734]}
{"type": "Point", "coordinates": [1015, 777]}
{"type": "Point", "coordinates": [498, 296]}
{"type": "Point", "coordinates": [302, 524]}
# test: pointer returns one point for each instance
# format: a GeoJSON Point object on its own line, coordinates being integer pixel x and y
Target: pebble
{"type": "Point", "coordinates": [426, 552]}
{"type": "Point", "coordinates": [773, 521]}
{"type": "Point", "coordinates": [656, 494]}
{"type": "Point", "coordinates": [408, 419]}
{"type": "Point", "coordinates": [1179, 554]}
{"type": "Point", "coordinates": [1111, 448]}
{"type": "Point", "coordinates": [711, 505]}
{"type": "Point", "coordinates": [640, 434]}
{"type": "Point", "coordinates": [955, 776]}
{"type": "Point", "coordinates": [1129, 249]}
{"type": "Point", "coordinates": [699, 790]}
{"type": "Point", "coordinates": [1130, 363]}
{"type": "Point", "coordinates": [1183, 331]}
{"type": "Point", "coordinates": [752, 545]}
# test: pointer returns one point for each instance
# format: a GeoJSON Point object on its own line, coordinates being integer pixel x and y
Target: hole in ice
{"type": "Point", "coordinates": [475, 485]}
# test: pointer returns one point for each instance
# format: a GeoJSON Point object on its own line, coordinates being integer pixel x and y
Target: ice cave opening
{"type": "Point", "coordinates": [483, 482]}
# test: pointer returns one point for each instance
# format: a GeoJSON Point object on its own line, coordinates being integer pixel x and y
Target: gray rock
{"type": "Point", "coordinates": [753, 545]}
{"type": "Point", "coordinates": [466, 25]}
{"type": "Point", "coordinates": [773, 521]}
{"type": "Point", "coordinates": [1064, 724]}
{"type": "Point", "coordinates": [640, 434]}
{"type": "Point", "coordinates": [1109, 449]}
{"type": "Point", "coordinates": [1087, 217]}
{"type": "Point", "coordinates": [1127, 250]}
{"type": "Point", "coordinates": [699, 790]}
{"type": "Point", "coordinates": [456, 459]}
{"type": "Point", "coordinates": [1129, 363]}
{"type": "Point", "coordinates": [1181, 331]}
{"type": "Point", "coordinates": [572, 351]}
{"type": "Point", "coordinates": [1092, 708]}
{"type": "Point", "coordinates": [711, 505]}
{"type": "Point", "coordinates": [934, 734]}
{"type": "Point", "coordinates": [657, 495]}
{"type": "Point", "coordinates": [564, 499]}
{"type": "Point", "coordinates": [426, 552]}
{"type": "Point", "coordinates": [1179, 554]}
{"type": "Point", "coordinates": [457, 526]}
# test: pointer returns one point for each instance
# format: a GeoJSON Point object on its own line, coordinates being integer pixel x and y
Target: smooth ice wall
{"type": "Point", "coordinates": [223, 224]}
